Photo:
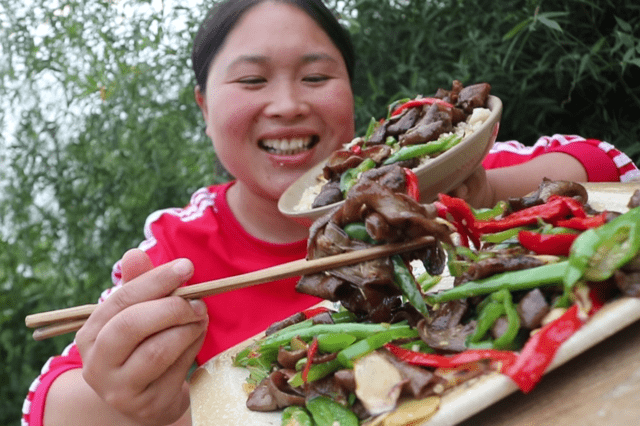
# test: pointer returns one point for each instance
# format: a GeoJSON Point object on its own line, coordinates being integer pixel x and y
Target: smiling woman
{"type": "Point", "coordinates": [274, 87]}
{"type": "Point", "coordinates": [275, 94]}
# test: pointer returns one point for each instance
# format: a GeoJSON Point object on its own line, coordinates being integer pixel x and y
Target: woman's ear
{"type": "Point", "coordinates": [200, 100]}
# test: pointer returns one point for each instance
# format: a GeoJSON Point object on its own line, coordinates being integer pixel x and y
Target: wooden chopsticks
{"type": "Point", "coordinates": [54, 323]}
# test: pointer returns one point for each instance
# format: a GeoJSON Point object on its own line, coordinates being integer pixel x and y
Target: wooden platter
{"type": "Point", "coordinates": [593, 380]}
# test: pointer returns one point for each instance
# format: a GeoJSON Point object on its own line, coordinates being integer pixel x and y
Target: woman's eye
{"type": "Point", "coordinates": [252, 81]}
{"type": "Point", "coordinates": [315, 78]}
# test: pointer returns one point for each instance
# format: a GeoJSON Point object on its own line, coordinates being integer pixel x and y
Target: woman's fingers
{"type": "Point", "coordinates": [150, 285]}
{"type": "Point", "coordinates": [152, 380]}
{"type": "Point", "coordinates": [135, 262]}
{"type": "Point", "coordinates": [136, 327]}
{"type": "Point", "coordinates": [174, 403]}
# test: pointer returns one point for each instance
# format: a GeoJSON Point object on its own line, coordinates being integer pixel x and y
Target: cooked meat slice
{"type": "Point", "coordinates": [289, 358]}
{"type": "Point", "coordinates": [418, 381]}
{"type": "Point", "coordinates": [293, 319]}
{"type": "Point", "coordinates": [274, 393]}
{"type": "Point", "coordinates": [448, 315]}
{"type": "Point", "coordinates": [499, 327]}
{"type": "Point", "coordinates": [329, 194]}
{"type": "Point", "coordinates": [501, 263]}
{"type": "Point", "coordinates": [379, 135]}
{"type": "Point", "coordinates": [407, 120]}
{"type": "Point", "coordinates": [391, 177]}
{"type": "Point", "coordinates": [532, 308]}
{"type": "Point", "coordinates": [449, 339]}
{"type": "Point", "coordinates": [546, 189]}
{"type": "Point", "coordinates": [628, 283]}
{"type": "Point", "coordinates": [434, 123]}
{"type": "Point", "coordinates": [339, 162]}
{"type": "Point", "coordinates": [474, 96]}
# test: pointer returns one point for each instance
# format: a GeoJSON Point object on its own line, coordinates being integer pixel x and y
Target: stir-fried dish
{"type": "Point", "coordinates": [528, 274]}
{"type": "Point", "coordinates": [414, 131]}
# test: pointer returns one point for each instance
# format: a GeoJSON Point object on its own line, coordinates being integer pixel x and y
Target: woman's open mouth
{"type": "Point", "coordinates": [290, 146]}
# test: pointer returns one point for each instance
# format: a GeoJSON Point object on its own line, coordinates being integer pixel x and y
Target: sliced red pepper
{"type": "Point", "coordinates": [311, 353]}
{"type": "Point", "coordinates": [312, 312]}
{"type": "Point", "coordinates": [413, 188]}
{"type": "Point", "coordinates": [556, 208]}
{"type": "Point", "coordinates": [420, 102]}
{"type": "Point", "coordinates": [553, 244]}
{"type": "Point", "coordinates": [583, 223]}
{"type": "Point", "coordinates": [452, 361]}
{"type": "Point", "coordinates": [463, 219]}
{"type": "Point", "coordinates": [540, 349]}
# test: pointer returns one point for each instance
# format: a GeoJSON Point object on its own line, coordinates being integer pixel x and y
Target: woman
{"type": "Point", "coordinates": [275, 94]}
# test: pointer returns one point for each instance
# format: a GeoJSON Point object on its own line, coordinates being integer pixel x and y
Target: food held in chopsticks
{"type": "Point", "coordinates": [415, 131]}
{"type": "Point", "coordinates": [528, 274]}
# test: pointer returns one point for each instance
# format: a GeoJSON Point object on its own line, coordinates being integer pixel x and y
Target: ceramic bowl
{"type": "Point", "coordinates": [438, 175]}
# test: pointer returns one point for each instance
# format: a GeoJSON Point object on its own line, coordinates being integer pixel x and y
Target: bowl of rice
{"type": "Point", "coordinates": [439, 174]}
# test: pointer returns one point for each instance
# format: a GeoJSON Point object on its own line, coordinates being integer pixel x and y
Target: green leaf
{"type": "Point", "coordinates": [550, 23]}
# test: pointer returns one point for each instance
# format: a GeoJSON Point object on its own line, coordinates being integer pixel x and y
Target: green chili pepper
{"type": "Point", "coordinates": [525, 279]}
{"type": "Point", "coordinates": [420, 150]}
{"type": "Point", "coordinates": [350, 177]}
{"type": "Point", "coordinates": [348, 355]}
{"type": "Point", "coordinates": [296, 416]}
{"type": "Point", "coordinates": [489, 313]}
{"type": "Point", "coordinates": [334, 342]}
{"type": "Point", "coordinates": [486, 214]}
{"type": "Point", "coordinates": [502, 236]}
{"type": "Point", "coordinates": [373, 123]}
{"type": "Point", "coordinates": [316, 372]}
{"type": "Point", "coordinates": [407, 283]}
{"type": "Point", "coordinates": [598, 252]}
{"type": "Point", "coordinates": [513, 319]}
{"type": "Point", "coordinates": [493, 307]}
{"type": "Point", "coordinates": [427, 281]}
{"type": "Point", "coordinates": [358, 231]}
{"type": "Point", "coordinates": [359, 330]}
{"type": "Point", "coordinates": [327, 412]}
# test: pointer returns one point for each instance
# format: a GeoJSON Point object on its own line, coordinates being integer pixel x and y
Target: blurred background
{"type": "Point", "coordinates": [99, 127]}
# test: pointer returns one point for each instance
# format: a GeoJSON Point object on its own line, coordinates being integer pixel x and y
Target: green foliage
{"type": "Point", "coordinates": [559, 67]}
{"type": "Point", "coordinates": [100, 127]}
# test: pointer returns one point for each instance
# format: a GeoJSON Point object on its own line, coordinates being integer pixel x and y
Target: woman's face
{"type": "Point", "coordinates": [278, 98]}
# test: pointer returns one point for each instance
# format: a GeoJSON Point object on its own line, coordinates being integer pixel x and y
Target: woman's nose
{"type": "Point", "coordinates": [287, 101]}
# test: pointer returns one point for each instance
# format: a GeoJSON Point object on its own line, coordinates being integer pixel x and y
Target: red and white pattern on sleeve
{"type": "Point", "coordinates": [33, 407]}
{"type": "Point", "coordinates": [602, 161]}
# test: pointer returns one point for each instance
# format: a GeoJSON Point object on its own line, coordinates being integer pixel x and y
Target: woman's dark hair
{"type": "Point", "coordinates": [222, 18]}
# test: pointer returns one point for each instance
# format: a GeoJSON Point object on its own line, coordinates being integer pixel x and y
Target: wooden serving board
{"type": "Point", "coordinates": [593, 380]}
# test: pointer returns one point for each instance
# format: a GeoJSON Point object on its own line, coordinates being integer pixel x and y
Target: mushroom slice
{"type": "Point", "coordinates": [378, 383]}
{"type": "Point", "coordinates": [409, 413]}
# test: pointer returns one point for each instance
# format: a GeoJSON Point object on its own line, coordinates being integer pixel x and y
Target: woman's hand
{"type": "Point", "coordinates": [138, 346]}
{"type": "Point", "coordinates": [476, 190]}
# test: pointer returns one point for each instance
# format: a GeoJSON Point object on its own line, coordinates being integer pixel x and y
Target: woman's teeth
{"type": "Point", "coordinates": [286, 146]}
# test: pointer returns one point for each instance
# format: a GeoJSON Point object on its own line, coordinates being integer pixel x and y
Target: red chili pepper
{"type": "Point", "coordinates": [463, 219]}
{"type": "Point", "coordinates": [312, 312]}
{"type": "Point", "coordinates": [540, 349]}
{"type": "Point", "coordinates": [311, 352]}
{"type": "Point", "coordinates": [420, 102]}
{"type": "Point", "coordinates": [452, 361]}
{"type": "Point", "coordinates": [413, 188]}
{"type": "Point", "coordinates": [583, 223]}
{"type": "Point", "coordinates": [553, 244]}
{"type": "Point", "coordinates": [556, 208]}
